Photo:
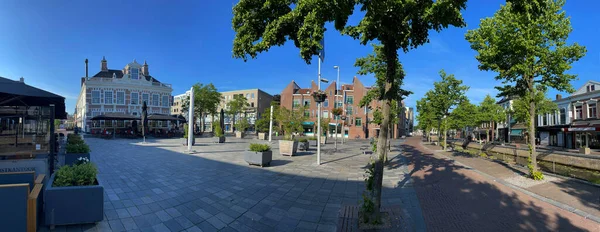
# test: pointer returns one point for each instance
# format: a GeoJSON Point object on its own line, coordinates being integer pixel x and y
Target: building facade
{"type": "Point", "coordinates": [357, 123]}
{"type": "Point", "coordinates": [177, 104]}
{"type": "Point", "coordinates": [258, 102]}
{"type": "Point", "coordinates": [120, 91]}
{"type": "Point", "coordinates": [405, 120]}
{"type": "Point", "coordinates": [576, 122]}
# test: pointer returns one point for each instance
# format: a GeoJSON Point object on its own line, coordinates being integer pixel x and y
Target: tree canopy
{"type": "Point", "coordinates": [236, 106]}
{"type": "Point", "coordinates": [206, 100]}
{"type": "Point", "coordinates": [464, 115]}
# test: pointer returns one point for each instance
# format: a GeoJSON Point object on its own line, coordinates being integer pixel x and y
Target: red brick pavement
{"type": "Point", "coordinates": [454, 198]}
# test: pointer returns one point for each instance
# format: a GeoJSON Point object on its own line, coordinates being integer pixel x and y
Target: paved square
{"type": "Point", "coordinates": [157, 186]}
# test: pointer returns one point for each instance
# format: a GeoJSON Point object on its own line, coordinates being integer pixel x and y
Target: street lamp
{"type": "Point", "coordinates": [335, 102]}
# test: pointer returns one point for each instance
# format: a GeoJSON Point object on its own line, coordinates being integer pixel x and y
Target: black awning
{"type": "Point", "coordinates": [115, 116]}
{"type": "Point", "coordinates": [17, 93]}
{"type": "Point", "coordinates": [163, 117]}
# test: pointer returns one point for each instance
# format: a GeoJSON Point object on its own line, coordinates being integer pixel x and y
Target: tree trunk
{"type": "Point", "coordinates": [445, 137]}
{"type": "Point", "coordinates": [232, 123]}
{"type": "Point", "coordinates": [532, 133]}
{"type": "Point", "coordinates": [493, 129]}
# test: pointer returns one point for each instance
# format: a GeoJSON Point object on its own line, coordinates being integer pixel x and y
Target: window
{"type": "Point", "coordinates": [296, 103]}
{"type": "Point", "coordinates": [306, 102]}
{"type": "Point", "coordinates": [165, 100]}
{"type": "Point", "coordinates": [578, 112]}
{"type": "Point", "coordinates": [145, 98]}
{"type": "Point", "coordinates": [545, 120]}
{"type": "Point", "coordinates": [134, 98]}
{"type": "Point", "coordinates": [339, 104]}
{"type": "Point", "coordinates": [155, 100]}
{"type": "Point", "coordinates": [252, 95]}
{"type": "Point", "coordinates": [592, 87]}
{"type": "Point", "coordinates": [326, 103]}
{"type": "Point", "coordinates": [349, 110]}
{"type": "Point", "coordinates": [306, 113]}
{"type": "Point", "coordinates": [252, 104]}
{"type": "Point", "coordinates": [95, 97]}
{"type": "Point", "coordinates": [358, 122]}
{"type": "Point", "coordinates": [563, 116]}
{"type": "Point", "coordinates": [247, 95]}
{"type": "Point", "coordinates": [592, 110]}
{"type": "Point", "coordinates": [134, 73]}
{"type": "Point", "coordinates": [349, 99]}
{"type": "Point", "coordinates": [325, 114]}
{"type": "Point", "coordinates": [121, 98]}
{"type": "Point", "coordinates": [108, 97]}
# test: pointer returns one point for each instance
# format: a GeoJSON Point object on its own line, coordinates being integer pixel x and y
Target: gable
{"type": "Point", "coordinates": [584, 89]}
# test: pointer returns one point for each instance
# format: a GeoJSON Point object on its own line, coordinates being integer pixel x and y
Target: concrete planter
{"type": "Point", "coordinates": [323, 139]}
{"type": "Point", "coordinates": [312, 143]}
{"type": "Point", "coordinates": [71, 158]}
{"type": "Point", "coordinates": [304, 146]}
{"type": "Point", "coordinates": [239, 134]}
{"type": "Point", "coordinates": [287, 147]}
{"type": "Point", "coordinates": [73, 204]}
{"type": "Point", "coordinates": [185, 141]}
{"type": "Point", "coordinates": [262, 136]}
{"type": "Point", "coordinates": [584, 150]}
{"type": "Point", "coordinates": [258, 158]}
{"type": "Point", "coordinates": [220, 139]}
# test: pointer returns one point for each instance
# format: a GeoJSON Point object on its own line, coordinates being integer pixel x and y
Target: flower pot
{"type": "Point", "coordinates": [319, 97]}
{"type": "Point", "coordinates": [73, 204]}
{"type": "Point", "coordinates": [71, 158]}
{"type": "Point", "coordinates": [287, 147]}
{"type": "Point", "coordinates": [584, 150]}
{"type": "Point", "coordinates": [258, 158]}
{"type": "Point", "coordinates": [239, 134]}
{"type": "Point", "coordinates": [304, 146]}
{"type": "Point", "coordinates": [185, 141]}
{"type": "Point", "coordinates": [323, 139]}
{"type": "Point", "coordinates": [262, 136]}
{"type": "Point", "coordinates": [220, 139]}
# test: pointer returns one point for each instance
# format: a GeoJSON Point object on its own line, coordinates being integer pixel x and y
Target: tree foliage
{"type": "Point", "coordinates": [236, 106]}
{"type": "Point", "coordinates": [206, 100]}
{"type": "Point", "coordinates": [290, 120]}
{"type": "Point", "coordinates": [464, 115]}
{"type": "Point", "coordinates": [525, 43]}
{"type": "Point", "coordinates": [543, 105]}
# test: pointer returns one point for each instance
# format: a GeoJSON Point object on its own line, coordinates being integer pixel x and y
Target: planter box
{"type": "Point", "coordinates": [262, 136]}
{"type": "Point", "coordinates": [239, 134]}
{"type": "Point", "coordinates": [287, 147]}
{"type": "Point", "coordinates": [73, 204]}
{"type": "Point", "coordinates": [220, 139]}
{"type": "Point", "coordinates": [71, 158]}
{"type": "Point", "coordinates": [323, 139]}
{"type": "Point", "coordinates": [312, 143]}
{"type": "Point", "coordinates": [185, 141]}
{"type": "Point", "coordinates": [304, 146]}
{"type": "Point", "coordinates": [584, 150]}
{"type": "Point", "coordinates": [258, 158]}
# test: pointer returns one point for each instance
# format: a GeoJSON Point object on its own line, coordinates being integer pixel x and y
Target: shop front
{"type": "Point", "coordinates": [584, 137]}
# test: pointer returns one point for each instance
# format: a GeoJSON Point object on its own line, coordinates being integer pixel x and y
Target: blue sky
{"type": "Point", "coordinates": [47, 41]}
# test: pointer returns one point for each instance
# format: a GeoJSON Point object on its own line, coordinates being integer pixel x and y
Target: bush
{"type": "Point", "coordinates": [257, 147]}
{"type": "Point", "coordinates": [74, 139]}
{"type": "Point", "coordinates": [303, 140]}
{"type": "Point", "coordinates": [78, 148]}
{"type": "Point", "coordinates": [77, 175]}
{"type": "Point", "coordinates": [312, 138]}
{"type": "Point", "coordinates": [185, 132]}
{"type": "Point", "coordinates": [218, 131]}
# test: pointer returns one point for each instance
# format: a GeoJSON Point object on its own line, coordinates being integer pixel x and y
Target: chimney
{"type": "Point", "coordinates": [558, 96]}
{"type": "Point", "coordinates": [86, 68]}
{"type": "Point", "coordinates": [103, 66]}
{"type": "Point", "coordinates": [83, 80]}
{"type": "Point", "coordinates": [22, 80]}
{"type": "Point", "coordinates": [145, 69]}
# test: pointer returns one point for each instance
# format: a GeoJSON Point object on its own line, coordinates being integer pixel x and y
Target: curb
{"type": "Point", "coordinates": [542, 198]}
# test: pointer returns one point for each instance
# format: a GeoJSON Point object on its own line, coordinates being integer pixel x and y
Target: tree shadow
{"type": "Point", "coordinates": [587, 195]}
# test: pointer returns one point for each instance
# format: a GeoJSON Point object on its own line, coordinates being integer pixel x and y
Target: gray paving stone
{"type": "Point", "coordinates": [116, 225]}
{"type": "Point", "coordinates": [163, 216]}
{"type": "Point", "coordinates": [123, 213]}
{"type": "Point", "coordinates": [173, 225]}
{"type": "Point", "coordinates": [129, 224]}
{"type": "Point", "coordinates": [216, 222]}
{"type": "Point", "coordinates": [205, 226]}
{"type": "Point", "coordinates": [161, 228]}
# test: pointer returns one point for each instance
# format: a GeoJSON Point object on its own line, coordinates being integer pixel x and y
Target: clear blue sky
{"type": "Point", "coordinates": [47, 41]}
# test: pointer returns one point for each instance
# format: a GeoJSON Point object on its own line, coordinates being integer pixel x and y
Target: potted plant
{"type": "Point", "coordinates": [324, 130]}
{"type": "Point", "coordinates": [319, 96]}
{"type": "Point", "coordinates": [303, 144]}
{"type": "Point", "coordinates": [291, 121]}
{"type": "Point", "coordinates": [584, 150]}
{"type": "Point", "coordinates": [218, 133]}
{"type": "Point", "coordinates": [75, 149]}
{"type": "Point", "coordinates": [73, 195]}
{"type": "Point", "coordinates": [185, 137]}
{"type": "Point", "coordinates": [262, 126]}
{"type": "Point", "coordinates": [259, 154]}
{"type": "Point", "coordinates": [241, 126]}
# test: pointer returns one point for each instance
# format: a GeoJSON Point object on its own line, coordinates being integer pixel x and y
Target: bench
{"type": "Point", "coordinates": [20, 200]}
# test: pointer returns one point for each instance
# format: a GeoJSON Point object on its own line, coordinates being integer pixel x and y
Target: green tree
{"type": "Point", "coordinates": [397, 25]}
{"type": "Point", "coordinates": [490, 112]}
{"type": "Point", "coordinates": [446, 94]}
{"type": "Point", "coordinates": [525, 42]}
{"type": "Point", "coordinates": [206, 101]}
{"type": "Point", "coordinates": [426, 116]}
{"type": "Point", "coordinates": [290, 120]}
{"type": "Point", "coordinates": [464, 115]}
{"type": "Point", "coordinates": [236, 106]}
{"type": "Point", "coordinates": [543, 105]}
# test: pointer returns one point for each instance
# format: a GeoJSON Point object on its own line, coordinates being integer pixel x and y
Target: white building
{"type": "Point", "coordinates": [120, 91]}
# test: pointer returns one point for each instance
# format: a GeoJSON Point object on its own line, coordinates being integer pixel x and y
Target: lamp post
{"type": "Point", "coordinates": [190, 121]}
{"type": "Point", "coordinates": [335, 101]}
{"type": "Point", "coordinates": [343, 132]}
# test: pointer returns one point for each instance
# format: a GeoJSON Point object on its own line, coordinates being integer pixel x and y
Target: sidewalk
{"type": "Point", "coordinates": [454, 197]}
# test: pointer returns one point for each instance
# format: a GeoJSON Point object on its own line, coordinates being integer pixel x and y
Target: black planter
{"type": "Point", "coordinates": [304, 146]}
{"type": "Point", "coordinates": [319, 97]}
{"type": "Point", "coordinates": [220, 139]}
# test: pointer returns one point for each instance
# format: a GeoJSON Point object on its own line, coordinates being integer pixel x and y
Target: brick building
{"type": "Point", "coordinates": [357, 124]}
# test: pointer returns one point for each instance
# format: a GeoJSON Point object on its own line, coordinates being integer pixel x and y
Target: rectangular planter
{"type": "Point", "coordinates": [323, 139]}
{"type": "Point", "coordinates": [73, 204]}
{"type": "Point", "coordinates": [585, 150]}
{"type": "Point", "coordinates": [185, 141]}
{"type": "Point", "coordinates": [287, 147]}
{"type": "Point", "coordinates": [71, 158]}
{"type": "Point", "coordinates": [258, 158]}
{"type": "Point", "coordinates": [239, 134]}
{"type": "Point", "coordinates": [220, 139]}
{"type": "Point", "coordinates": [262, 136]}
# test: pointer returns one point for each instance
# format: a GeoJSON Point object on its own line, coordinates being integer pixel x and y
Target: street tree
{"type": "Point", "coordinates": [490, 112]}
{"type": "Point", "coordinates": [426, 116]}
{"type": "Point", "coordinates": [525, 42]}
{"type": "Point", "coordinates": [237, 106]}
{"type": "Point", "coordinates": [206, 101]}
{"type": "Point", "coordinates": [464, 115]}
{"type": "Point", "coordinates": [445, 96]}
{"type": "Point", "coordinates": [397, 25]}
{"type": "Point", "coordinates": [543, 105]}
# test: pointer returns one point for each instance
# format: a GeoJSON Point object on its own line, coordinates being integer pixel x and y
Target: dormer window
{"type": "Point", "coordinates": [135, 73]}
{"type": "Point", "coordinates": [590, 88]}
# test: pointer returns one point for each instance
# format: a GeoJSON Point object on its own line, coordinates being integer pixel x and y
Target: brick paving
{"type": "Point", "coordinates": [455, 198]}
{"type": "Point", "coordinates": [158, 187]}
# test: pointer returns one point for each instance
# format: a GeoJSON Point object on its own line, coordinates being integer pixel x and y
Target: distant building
{"type": "Point", "coordinates": [120, 91]}
{"type": "Point", "coordinates": [405, 120]}
{"type": "Point", "coordinates": [178, 101]}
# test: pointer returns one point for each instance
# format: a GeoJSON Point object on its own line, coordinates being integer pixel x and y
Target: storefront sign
{"type": "Point", "coordinates": [40, 166]}
{"type": "Point", "coordinates": [581, 129]}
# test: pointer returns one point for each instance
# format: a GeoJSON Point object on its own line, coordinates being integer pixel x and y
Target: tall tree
{"type": "Point", "coordinates": [490, 112]}
{"type": "Point", "coordinates": [446, 94]}
{"type": "Point", "coordinates": [543, 105]}
{"type": "Point", "coordinates": [206, 101]}
{"type": "Point", "coordinates": [236, 106]}
{"type": "Point", "coordinates": [464, 115]}
{"type": "Point", "coordinates": [426, 116]}
{"type": "Point", "coordinates": [525, 42]}
{"type": "Point", "coordinates": [404, 25]}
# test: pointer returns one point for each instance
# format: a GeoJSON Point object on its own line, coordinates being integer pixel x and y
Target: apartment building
{"type": "Point", "coordinates": [258, 102]}
{"type": "Point", "coordinates": [358, 119]}
{"type": "Point", "coordinates": [405, 120]}
{"type": "Point", "coordinates": [120, 91]}
{"type": "Point", "coordinates": [576, 123]}
{"type": "Point", "coordinates": [177, 104]}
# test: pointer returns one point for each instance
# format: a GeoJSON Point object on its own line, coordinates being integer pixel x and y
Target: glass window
{"type": "Point", "coordinates": [155, 100]}
{"type": "Point", "coordinates": [145, 98]}
{"type": "Point", "coordinates": [306, 102]}
{"type": "Point", "coordinates": [339, 104]}
{"type": "Point", "coordinates": [349, 110]}
{"type": "Point", "coordinates": [121, 98]}
{"type": "Point", "coordinates": [326, 103]}
{"type": "Point", "coordinates": [252, 104]}
{"type": "Point", "coordinates": [134, 98]}
{"type": "Point", "coordinates": [134, 73]}
{"type": "Point", "coordinates": [592, 110]}
{"type": "Point", "coordinates": [306, 113]}
{"type": "Point", "coordinates": [96, 97]}
{"type": "Point", "coordinates": [247, 95]}
{"type": "Point", "coordinates": [578, 112]}
{"type": "Point", "coordinates": [563, 116]}
{"type": "Point", "coordinates": [325, 114]}
{"type": "Point", "coordinates": [349, 99]}
{"type": "Point", "coordinates": [545, 120]}
{"type": "Point", "coordinates": [108, 97]}
{"type": "Point", "coordinates": [252, 95]}
{"type": "Point", "coordinates": [296, 103]}
{"type": "Point", "coordinates": [358, 122]}
{"type": "Point", "coordinates": [165, 100]}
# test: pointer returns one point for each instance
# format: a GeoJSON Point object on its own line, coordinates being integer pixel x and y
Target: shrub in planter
{"type": "Point", "coordinates": [241, 126]}
{"type": "Point", "coordinates": [74, 196]}
{"type": "Point", "coordinates": [218, 133]}
{"type": "Point", "coordinates": [303, 144]}
{"type": "Point", "coordinates": [76, 151]}
{"type": "Point", "coordinates": [259, 154]}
